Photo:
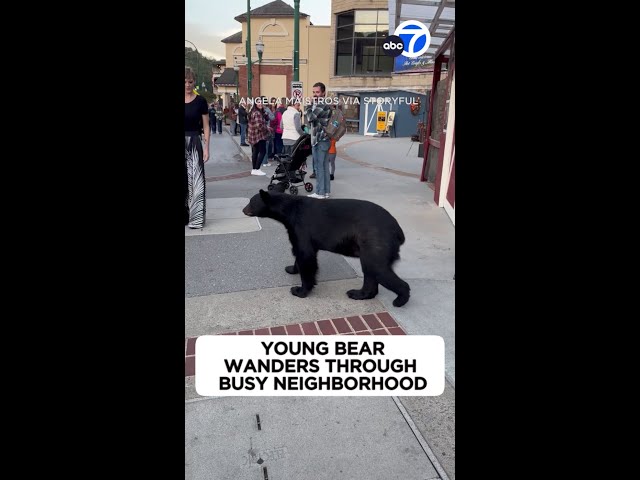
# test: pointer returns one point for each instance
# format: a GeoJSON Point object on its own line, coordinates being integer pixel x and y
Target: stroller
{"type": "Point", "coordinates": [291, 169]}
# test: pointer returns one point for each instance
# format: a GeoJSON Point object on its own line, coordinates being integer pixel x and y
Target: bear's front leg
{"type": "Point", "coordinates": [293, 269]}
{"type": "Point", "coordinates": [308, 266]}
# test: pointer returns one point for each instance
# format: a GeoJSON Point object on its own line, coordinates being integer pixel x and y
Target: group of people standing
{"type": "Point", "coordinates": [269, 129]}
{"type": "Point", "coordinates": [217, 116]}
{"type": "Point", "coordinates": [274, 130]}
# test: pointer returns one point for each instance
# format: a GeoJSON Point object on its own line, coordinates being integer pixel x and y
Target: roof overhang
{"type": "Point", "coordinates": [438, 15]}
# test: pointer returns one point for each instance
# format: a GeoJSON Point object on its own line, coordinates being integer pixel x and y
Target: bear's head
{"type": "Point", "coordinates": [259, 205]}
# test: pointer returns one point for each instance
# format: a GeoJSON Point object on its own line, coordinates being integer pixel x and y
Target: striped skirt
{"type": "Point", "coordinates": [195, 200]}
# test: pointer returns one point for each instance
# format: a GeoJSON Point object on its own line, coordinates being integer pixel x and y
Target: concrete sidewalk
{"type": "Point", "coordinates": [301, 438]}
{"type": "Point", "coordinates": [235, 279]}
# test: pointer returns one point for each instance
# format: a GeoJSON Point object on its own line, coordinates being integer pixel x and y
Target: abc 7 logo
{"type": "Point", "coordinates": [411, 39]}
{"type": "Point", "coordinates": [393, 46]}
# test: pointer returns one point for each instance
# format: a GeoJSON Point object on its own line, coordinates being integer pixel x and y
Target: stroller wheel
{"type": "Point", "coordinates": [286, 185]}
{"type": "Point", "coordinates": [308, 187]}
{"type": "Point", "coordinates": [293, 190]}
{"type": "Point", "coordinates": [271, 186]}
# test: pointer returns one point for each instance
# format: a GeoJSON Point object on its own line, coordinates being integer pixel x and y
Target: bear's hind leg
{"type": "Point", "coordinates": [292, 269]}
{"type": "Point", "coordinates": [391, 281]}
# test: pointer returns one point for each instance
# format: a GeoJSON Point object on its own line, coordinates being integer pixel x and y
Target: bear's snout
{"type": "Point", "coordinates": [247, 211]}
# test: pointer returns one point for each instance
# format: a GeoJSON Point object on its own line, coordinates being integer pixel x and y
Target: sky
{"type": "Point", "coordinates": [206, 22]}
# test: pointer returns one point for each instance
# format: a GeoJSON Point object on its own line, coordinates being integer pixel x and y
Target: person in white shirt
{"type": "Point", "coordinates": [291, 126]}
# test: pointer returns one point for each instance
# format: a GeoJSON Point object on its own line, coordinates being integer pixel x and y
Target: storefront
{"type": "Point", "coordinates": [438, 16]}
{"type": "Point", "coordinates": [439, 145]}
{"type": "Point", "coordinates": [408, 109]}
{"type": "Point", "coordinates": [361, 70]}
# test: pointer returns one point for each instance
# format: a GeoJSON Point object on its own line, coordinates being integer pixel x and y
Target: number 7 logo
{"type": "Point", "coordinates": [413, 34]}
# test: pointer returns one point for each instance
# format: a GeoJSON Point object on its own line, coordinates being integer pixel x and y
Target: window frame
{"type": "Point", "coordinates": [375, 37]}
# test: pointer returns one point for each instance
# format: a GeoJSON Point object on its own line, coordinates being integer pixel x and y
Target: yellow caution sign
{"type": "Point", "coordinates": [382, 121]}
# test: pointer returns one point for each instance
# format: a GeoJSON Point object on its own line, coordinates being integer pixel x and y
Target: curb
{"type": "Point", "coordinates": [246, 157]}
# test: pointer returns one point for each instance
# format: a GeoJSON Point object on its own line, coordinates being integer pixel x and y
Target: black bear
{"type": "Point", "coordinates": [355, 228]}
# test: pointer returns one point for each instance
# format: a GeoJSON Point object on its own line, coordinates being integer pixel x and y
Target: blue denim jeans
{"type": "Point", "coordinates": [321, 163]}
{"type": "Point", "coordinates": [278, 146]}
{"type": "Point", "coordinates": [243, 133]}
{"type": "Point", "coordinates": [268, 152]}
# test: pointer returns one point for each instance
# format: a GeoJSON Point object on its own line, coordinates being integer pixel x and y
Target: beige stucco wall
{"type": "Point", "coordinates": [412, 81]}
{"type": "Point", "coordinates": [317, 51]}
{"type": "Point", "coordinates": [231, 50]}
{"type": "Point", "coordinates": [278, 35]}
{"type": "Point", "coordinates": [273, 85]}
{"type": "Point", "coordinates": [318, 60]}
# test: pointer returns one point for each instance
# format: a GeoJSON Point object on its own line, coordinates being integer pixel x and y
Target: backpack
{"type": "Point", "coordinates": [337, 125]}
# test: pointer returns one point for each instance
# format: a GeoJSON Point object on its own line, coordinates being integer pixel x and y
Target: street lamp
{"type": "Point", "coordinates": [260, 50]}
{"type": "Point", "coordinates": [237, 69]}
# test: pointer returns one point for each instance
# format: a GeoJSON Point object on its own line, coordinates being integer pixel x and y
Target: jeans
{"type": "Point", "coordinates": [332, 162]}
{"type": "Point", "coordinates": [232, 129]}
{"type": "Point", "coordinates": [243, 133]}
{"type": "Point", "coordinates": [219, 126]}
{"type": "Point", "coordinates": [277, 143]}
{"type": "Point", "coordinates": [268, 151]}
{"type": "Point", "coordinates": [257, 153]}
{"type": "Point", "coordinates": [321, 162]}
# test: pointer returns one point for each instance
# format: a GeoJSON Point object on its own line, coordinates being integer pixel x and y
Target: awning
{"type": "Point", "coordinates": [438, 15]}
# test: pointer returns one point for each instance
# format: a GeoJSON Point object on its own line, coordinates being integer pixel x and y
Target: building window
{"type": "Point", "coordinates": [359, 36]}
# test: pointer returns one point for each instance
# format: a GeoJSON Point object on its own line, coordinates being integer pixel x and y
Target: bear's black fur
{"type": "Point", "coordinates": [354, 228]}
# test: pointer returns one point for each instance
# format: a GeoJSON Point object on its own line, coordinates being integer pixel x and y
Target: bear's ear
{"type": "Point", "coordinates": [266, 198]}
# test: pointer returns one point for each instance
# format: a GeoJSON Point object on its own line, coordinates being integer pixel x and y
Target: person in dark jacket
{"type": "Point", "coordinates": [243, 121]}
{"type": "Point", "coordinates": [212, 118]}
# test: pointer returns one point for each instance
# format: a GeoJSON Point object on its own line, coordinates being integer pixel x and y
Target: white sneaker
{"type": "Point", "coordinates": [260, 172]}
{"type": "Point", "coordinates": [253, 172]}
{"type": "Point", "coordinates": [315, 195]}
{"type": "Point", "coordinates": [326, 195]}
{"type": "Point", "coordinates": [266, 165]}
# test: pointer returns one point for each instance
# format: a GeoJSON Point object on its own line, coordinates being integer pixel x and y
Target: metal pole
{"type": "Point", "coordinates": [259, 67]}
{"type": "Point", "coordinates": [249, 72]}
{"type": "Point", "coordinates": [296, 39]}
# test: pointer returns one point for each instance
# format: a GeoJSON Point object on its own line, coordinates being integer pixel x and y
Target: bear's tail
{"type": "Point", "coordinates": [400, 239]}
